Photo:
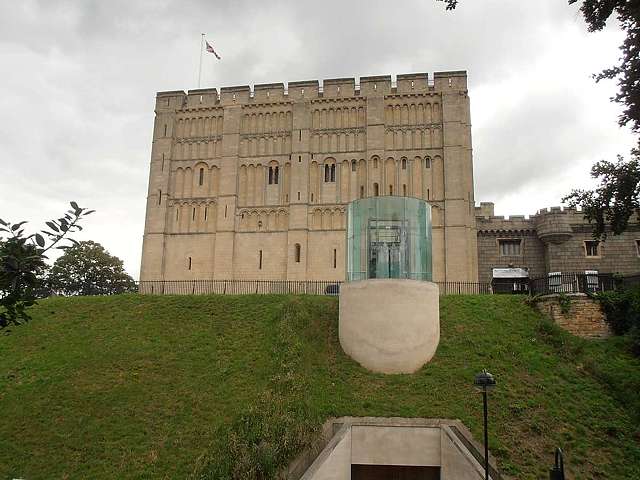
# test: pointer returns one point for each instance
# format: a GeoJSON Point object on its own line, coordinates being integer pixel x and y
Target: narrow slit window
{"type": "Point", "coordinates": [375, 190]}
{"type": "Point", "coordinates": [361, 191]}
{"type": "Point", "coordinates": [260, 260]}
{"type": "Point", "coordinates": [404, 189]}
{"type": "Point", "coordinates": [193, 213]}
{"type": "Point", "coordinates": [428, 194]}
{"type": "Point", "coordinates": [335, 258]}
{"type": "Point", "coordinates": [299, 158]}
{"type": "Point", "coordinates": [276, 171]}
{"type": "Point", "coordinates": [206, 213]}
{"type": "Point", "coordinates": [427, 162]}
{"type": "Point", "coordinates": [312, 198]}
{"type": "Point", "coordinates": [225, 211]}
{"type": "Point", "coordinates": [165, 129]}
{"type": "Point", "coordinates": [375, 163]}
{"type": "Point", "coordinates": [270, 175]}
{"type": "Point", "coordinates": [299, 134]}
{"type": "Point", "coordinates": [163, 162]}
{"type": "Point", "coordinates": [159, 197]}
{"type": "Point", "coordinates": [404, 164]}
{"type": "Point", "coordinates": [333, 172]}
{"type": "Point", "coordinates": [201, 177]}
{"type": "Point", "coordinates": [297, 252]}
{"type": "Point", "coordinates": [390, 189]}
{"type": "Point", "coordinates": [353, 165]}
{"type": "Point", "coordinates": [298, 195]}
{"type": "Point", "coordinates": [189, 263]}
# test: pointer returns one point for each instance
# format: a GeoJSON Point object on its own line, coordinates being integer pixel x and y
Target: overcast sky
{"type": "Point", "coordinates": [79, 79]}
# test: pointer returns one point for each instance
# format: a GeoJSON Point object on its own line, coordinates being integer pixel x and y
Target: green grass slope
{"type": "Point", "coordinates": [172, 387]}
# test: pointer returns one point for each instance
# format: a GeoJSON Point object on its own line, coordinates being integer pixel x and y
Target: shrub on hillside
{"type": "Point", "coordinates": [622, 308]}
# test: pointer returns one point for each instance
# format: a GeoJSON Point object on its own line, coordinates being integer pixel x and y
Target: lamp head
{"type": "Point", "coordinates": [484, 381]}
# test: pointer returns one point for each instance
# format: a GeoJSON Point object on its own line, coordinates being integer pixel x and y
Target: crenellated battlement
{"type": "Point", "coordinates": [332, 88]}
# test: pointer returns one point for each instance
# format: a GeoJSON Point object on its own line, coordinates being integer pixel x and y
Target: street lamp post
{"type": "Point", "coordinates": [485, 382]}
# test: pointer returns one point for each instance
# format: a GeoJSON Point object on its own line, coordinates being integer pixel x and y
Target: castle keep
{"type": "Point", "coordinates": [254, 183]}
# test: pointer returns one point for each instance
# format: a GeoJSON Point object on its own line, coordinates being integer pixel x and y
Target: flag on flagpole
{"type": "Point", "coordinates": [211, 50]}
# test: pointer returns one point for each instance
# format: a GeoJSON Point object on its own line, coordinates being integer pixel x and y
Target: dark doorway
{"type": "Point", "coordinates": [393, 472]}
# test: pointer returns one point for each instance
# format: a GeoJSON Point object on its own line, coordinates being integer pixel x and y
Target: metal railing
{"type": "Point", "coordinates": [464, 288]}
{"type": "Point", "coordinates": [237, 287]}
{"type": "Point", "coordinates": [246, 287]}
{"type": "Point", "coordinates": [572, 283]}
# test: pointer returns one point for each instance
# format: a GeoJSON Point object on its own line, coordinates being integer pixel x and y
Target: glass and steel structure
{"type": "Point", "coordinates": [389, 237]}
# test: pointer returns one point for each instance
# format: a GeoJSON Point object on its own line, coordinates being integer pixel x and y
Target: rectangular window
{"type": "Point", "coordinates": [638, 247]}
{"type": "Point", "coordinates": [510, 247]}
{"type": "Point", "coordinates": [592, 248]}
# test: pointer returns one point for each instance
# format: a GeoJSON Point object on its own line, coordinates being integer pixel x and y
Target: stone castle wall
{"type": "Point", "coordinates": [242, 179]}
{"type": "Point", "coordinates": [553, 240]}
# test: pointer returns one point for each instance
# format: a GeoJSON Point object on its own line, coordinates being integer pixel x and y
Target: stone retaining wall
{"type": "Point", "coordinates": [584, 317]}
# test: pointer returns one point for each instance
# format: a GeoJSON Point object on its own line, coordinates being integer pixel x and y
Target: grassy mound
{"type": "Point", "coordinates": [222, 386]}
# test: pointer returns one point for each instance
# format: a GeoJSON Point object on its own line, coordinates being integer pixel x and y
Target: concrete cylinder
{"type": "Point", "coordinates": [389, 325]}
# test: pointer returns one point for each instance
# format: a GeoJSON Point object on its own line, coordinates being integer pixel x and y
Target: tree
{"type": "Point", "coordinates": [610, 206]}
{"type": "Point", "coordinates": [22, 261]}
{"type": "Point", "coordinates": [596, 13]}
{"type": "Point", "coordinates": [88, 269]}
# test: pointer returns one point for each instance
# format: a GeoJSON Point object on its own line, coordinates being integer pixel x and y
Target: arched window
{"type": "Point", "coordinates": [375, 190]}
{"type": "Point", "coordinates": [274, 173]}
{"type": "Point", "coordinates": [390, 189]}
{"type": "Point", "coordinates": [375, 163]}
{"type": "Point", "coordinates": [404, 164]}
{"type": "Point", "coordinates": [329, 172]}
{"type": "Point", "coordinates": [297, 252]}
{"type": "Point", "coordinates": [201, 177]}
{"type": "Point", "coordinates": [353, 165]}
{"type": "Point", "coordinates": [427, 162]}
{"type": "Point", "coordinates": [361, 191]}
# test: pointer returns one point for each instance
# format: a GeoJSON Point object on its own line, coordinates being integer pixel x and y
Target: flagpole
{"type": "Point", "coordinates": [200, 67]}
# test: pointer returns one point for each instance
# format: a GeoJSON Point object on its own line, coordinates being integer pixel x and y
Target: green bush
{"type": "Point", "coordinates": [622, 308]}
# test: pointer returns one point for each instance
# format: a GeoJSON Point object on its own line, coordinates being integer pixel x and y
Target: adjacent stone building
{"type": "Point", "coordinates": [553, 240]}
{"type": "Point", "coordinates": [253, 184]}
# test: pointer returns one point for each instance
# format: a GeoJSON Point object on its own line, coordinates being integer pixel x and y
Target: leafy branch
{"type": "Point", "coordinates": [22, 261]}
